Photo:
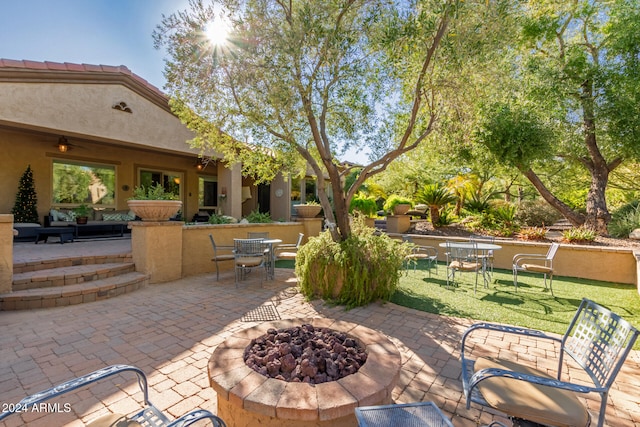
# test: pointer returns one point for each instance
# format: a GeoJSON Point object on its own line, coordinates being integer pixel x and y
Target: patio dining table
{"type": "Point", "coordinates": [271, 257]}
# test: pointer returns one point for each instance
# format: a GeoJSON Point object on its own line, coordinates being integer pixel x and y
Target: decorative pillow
{"type": "Point", "coordinates": [67, 216]}
{"type": "Point", "coordinates": [111, 216]}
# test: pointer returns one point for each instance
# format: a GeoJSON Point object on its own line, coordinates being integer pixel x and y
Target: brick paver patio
{"type": "Point", "coordinates": [170, 330]}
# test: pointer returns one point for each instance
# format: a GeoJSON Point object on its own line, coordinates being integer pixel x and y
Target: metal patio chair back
{"type": "Point", "coordinates": [597, 339]}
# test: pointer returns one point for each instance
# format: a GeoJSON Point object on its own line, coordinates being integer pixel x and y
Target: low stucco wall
{"type": "Point", "coordinates": [170, 250]}
{"type": "Point", "coordinates": [6, 253]}
{"type": "Point", "coordinates": [608, 264]}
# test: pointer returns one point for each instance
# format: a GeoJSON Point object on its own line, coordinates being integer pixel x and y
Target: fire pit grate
{"type": "Point", "coordinates": [264, 313]}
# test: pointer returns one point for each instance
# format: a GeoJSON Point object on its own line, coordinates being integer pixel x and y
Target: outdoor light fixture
{"type": "Point", "coordinates": [63, 144]}
{"type": "Point", "coordinates": [203, 162]}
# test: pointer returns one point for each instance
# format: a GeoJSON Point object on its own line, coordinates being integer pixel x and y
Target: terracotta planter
{"type": "Point", "coordinates": [82, 219]}
{"type": "Point", "coordinates": [401, 209]}
{"type": "Point", "coordinates": [155, 210]}
{"type": "Point", "coordinates": [307, 211]}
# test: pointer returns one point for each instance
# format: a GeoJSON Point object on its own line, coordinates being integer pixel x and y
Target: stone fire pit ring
{"type": "Point", "coordinates": [247, 398]}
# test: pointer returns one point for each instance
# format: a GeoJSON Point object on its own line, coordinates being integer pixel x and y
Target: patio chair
{"type": "Point", "coordinates": [147, 417]}
{"type": "Point", "coordinates": [420, 252]}
{"type": "Point", "coordinates": [487, 256]}
{"type": "Point", "coordinates": [227, 254]}
{"type": "Point", "coordinates": [258, 235]}
{"type": "Point", "coordinates": [543, 264]}
{"type": "Point", "coordinates": [598, 340]}
{"type": "Point", "coordinates": [289, 250]}
{"type": "Point", "coordinates": [248, 254]}
{"type": "Point", "coordinates": [463, 257]}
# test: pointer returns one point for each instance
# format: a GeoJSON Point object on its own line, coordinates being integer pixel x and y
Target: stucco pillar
{"type": "Point", "coordinates": [6, 253]}
{"type": "Point", "coordinates": [636, 254]}
{"type": "Point", "coordinates": [312, 227]}
{"type": "Point", "coordinates": [233, 204]}
{"type": "Point", "coordinates": [398, 223]}
{"type": "Point", "coordinates": [156, 249]}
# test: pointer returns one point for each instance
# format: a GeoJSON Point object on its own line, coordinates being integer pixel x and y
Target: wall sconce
{"type": "Point", "coordinates": [223, 193]}
{"type": "Point", "coordinates": [203, 162]}
{"type": "Point", "coordinates": [246, 194]}
{"type": "Point", "coordinates": [63, 144]}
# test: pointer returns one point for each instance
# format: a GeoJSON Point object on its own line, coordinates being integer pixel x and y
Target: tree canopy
{"type": "Point", "coordinates": [309, 80]}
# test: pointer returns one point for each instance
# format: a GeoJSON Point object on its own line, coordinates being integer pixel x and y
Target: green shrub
{"type": "Point", "coordinates": [364, 204]}
{"type": "Point", "coordinates": [365, 267]}
{"type": "Point", "coordinates": [579, 235]}
{"type": "Point", "coordinates": [625, 220]}
{"type": "Point", "coordinates": [477, 204]}
{"type": "Point", "coordinates": [256, 217]}
{"type": "Point", "coordinates": [447, 216]}
{"type": "Point", "coordinates": [154, 192]}
{"type": "Point", "coordinates": [533, 233]}
{"type": "Point", "coordinates": [536, 213]}
{"type": "Point", "coordinates": [395, 200]}
{"type": "Point", "coordinates": [219, 219]}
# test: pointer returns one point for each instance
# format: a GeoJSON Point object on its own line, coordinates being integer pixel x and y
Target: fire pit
{"type": "Point", "coordinates": [293, 396]}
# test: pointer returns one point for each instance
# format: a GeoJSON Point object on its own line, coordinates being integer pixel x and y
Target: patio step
{"type": "Point", "coordinates": [64, 276]}
{"type": "Point", "coordinates": [59, 296]}
{"type": "Point", "coordinates": [67, 281]}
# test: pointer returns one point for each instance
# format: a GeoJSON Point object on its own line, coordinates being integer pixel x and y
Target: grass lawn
{"type": "Point", "coordinates": [530, 307]}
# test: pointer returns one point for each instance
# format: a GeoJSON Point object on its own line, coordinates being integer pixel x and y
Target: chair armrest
{"type": "Point", "coordinates": [195, 416]}
{"type": "Point", "coordinates": [76, 383]}
{"type": "Point", "coordinates": [518, 258]}
{"type": "Point", "coordinates": [507, 330]}
{"type": "Point", "coordinates": [487, 373]}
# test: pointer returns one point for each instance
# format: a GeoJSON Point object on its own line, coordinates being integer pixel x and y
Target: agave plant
{"type": "Point", "coordinates": [436, 197]}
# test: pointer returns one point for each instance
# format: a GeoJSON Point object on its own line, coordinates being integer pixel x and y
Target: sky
{"type": "Point", "coordinates": [107, 32]}
{"type": "Point", "coordinates": [99, 32]}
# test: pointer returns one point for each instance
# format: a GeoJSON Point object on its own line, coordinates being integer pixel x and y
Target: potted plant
{"type": "Point", "coordinates": [398, 205]}
{"type": "Point", "coordinates": [366, 206]}
{"type": "Point", "coordinates": [154, 203]}
{"type": "Point", "coordinates": [309, 209]}
{"type": "Point", "coordinates": [82, 213]}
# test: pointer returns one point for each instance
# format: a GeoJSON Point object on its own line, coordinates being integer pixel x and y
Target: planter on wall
{"type": "Point", "coordinates": [307, 211]}
{"type": "Point", "coordinates": [155, 210]}
{"type": "Point", "coordinates": [401, 209]}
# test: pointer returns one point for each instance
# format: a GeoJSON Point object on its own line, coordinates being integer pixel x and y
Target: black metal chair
{"type": "Point", "coordinates": [147, 417]}
{"type": "Point", "coordinates": [596, 339]}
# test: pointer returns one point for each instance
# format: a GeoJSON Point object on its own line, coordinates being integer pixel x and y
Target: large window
{"type": "Point", "coordinates": [77, 182]}
{"type": "Point", "coordinates": [171, 181]}
{"type": "Point", "coordinates": [207, 191]}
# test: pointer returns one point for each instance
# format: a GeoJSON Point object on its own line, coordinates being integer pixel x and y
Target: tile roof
{"type": "Point", "coordinates": [82, 68]}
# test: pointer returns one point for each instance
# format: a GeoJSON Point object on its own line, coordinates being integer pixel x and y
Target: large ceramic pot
{"type": "Point", "coordinates": [401, 209]}
{"type": "Point", "coordinates": [155, 210]}
{"type": "Point", "coordinates": [307, 211]}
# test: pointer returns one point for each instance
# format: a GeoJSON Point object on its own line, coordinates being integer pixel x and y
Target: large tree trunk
{"type": "Point", "coordinates": [574, 218]}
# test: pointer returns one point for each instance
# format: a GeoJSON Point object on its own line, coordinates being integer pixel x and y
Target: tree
{"type": "Point", "coordinates": [25, 208]}
{"type": "Point", "coordinates": [311, 79]}
{"type": "Point", "coordinates": [577, 66]}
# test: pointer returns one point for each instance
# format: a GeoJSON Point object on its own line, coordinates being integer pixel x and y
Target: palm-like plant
{"type": "Point", "coordinates": [436, 197]}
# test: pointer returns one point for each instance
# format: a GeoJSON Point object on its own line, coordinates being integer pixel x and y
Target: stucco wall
{"type": "Point", "coordinates": [86, 109]}
{"type": "Point", "coordinates": [588, 262]}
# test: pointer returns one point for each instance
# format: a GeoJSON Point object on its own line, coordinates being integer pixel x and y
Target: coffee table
{"type": "Point", "coordinates": [64, 233]}
{"type": "Point", "coordinates": [419, 414]}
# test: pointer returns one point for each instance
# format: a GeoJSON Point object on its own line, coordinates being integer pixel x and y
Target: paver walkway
{"type": "Point", "coordinates": [170, 330]}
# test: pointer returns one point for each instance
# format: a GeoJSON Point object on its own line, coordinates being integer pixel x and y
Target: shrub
{"type": "Point", "coordinates": [154, 192]}
{"type": "Point", "coordinates": [395, 200]}
{"type": "Point", "coordinates": [256, 217]}
{"type": "Point", "coordinates": [579, 235]}
{"type": "Point", "coordinates": [536, 213]}
{"type": "Point", "coordinates": [533, 233]}
{"type": "Point", "coordinates": [365, 267]}
{"type": "Point", "coordinates": [219, 219]}
{"type": "Point", "coordinates": [364, 204]}
{"type": "Point", "coordinates": [625, 220]}
{"type": "Point", "coordinates": [477, 204]}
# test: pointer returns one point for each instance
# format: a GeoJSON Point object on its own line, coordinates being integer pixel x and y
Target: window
{"type": "Point", "coordinates": [77, 182]}
{"type": "Point", "coordinates": [171, 181]}
{"type": "Point", "coordinates": [207, 191]}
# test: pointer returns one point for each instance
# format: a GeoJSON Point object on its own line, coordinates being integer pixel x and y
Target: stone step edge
{"type": "Point", "coordinates": [47, 264]}
{"type": "Point", "coordinates": [73, 294]}
{"type": "Point", "coordinates": [66, 276]}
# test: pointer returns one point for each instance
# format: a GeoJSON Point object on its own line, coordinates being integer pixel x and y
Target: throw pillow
{"type": "Point", "coordinates": [111, 217]}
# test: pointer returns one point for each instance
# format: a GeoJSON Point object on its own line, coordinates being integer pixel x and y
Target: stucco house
{"type": "Point", "coordinates": [61, 117]}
